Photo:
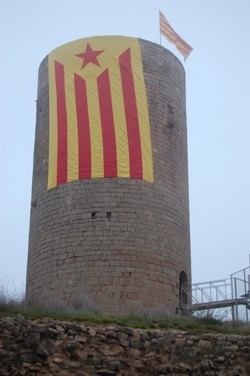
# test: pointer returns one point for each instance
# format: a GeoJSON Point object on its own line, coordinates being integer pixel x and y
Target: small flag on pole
{"type": "Point", "coordinates": [168, 32]}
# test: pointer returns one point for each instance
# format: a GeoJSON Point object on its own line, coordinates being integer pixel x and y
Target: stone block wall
{"type": "Point", "coordinates": [121, 242]}
{"type": "Point", "coordinates": [51, 347]}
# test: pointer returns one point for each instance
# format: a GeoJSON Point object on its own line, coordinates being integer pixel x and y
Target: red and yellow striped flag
{"type": "Point", "coordinates": [98, 114]}
{"type": "Point", "coordinates": [168, 32]}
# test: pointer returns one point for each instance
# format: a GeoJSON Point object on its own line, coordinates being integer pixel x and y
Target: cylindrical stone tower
{"type": "Point", "coordinates": [122, 243]}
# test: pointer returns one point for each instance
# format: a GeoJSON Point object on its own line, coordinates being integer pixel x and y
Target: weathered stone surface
{"type": "Point", "coordinates": [71, 345]}
{"type": "Point", "coordinates": [81, 339]}
{"type": "Point", "coordinates": [111, 334]}
{"type": "Point", "coordinates": [81, 356]}
{"type": "Point", "coordinates": [41, 351]}
{"type": "Point", "coordinates": [28, 356]}
{"type": "Point", "coordinates": [105, 351]}
{"type": "Point", "coordinates": [205, 365]}
{"type": "Point", "coordinates": [117, 350]}
{"type": "Point", "coordinates": [92, 332]}
{"type": "Point", "coordinates": [54, 331]}
{"type": "Point", "coordinates": [205, 344]}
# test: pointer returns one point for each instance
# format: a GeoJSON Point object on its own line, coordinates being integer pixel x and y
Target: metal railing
{"type": "Point", "coordinates": [241, 294]}
{"type": "Point", "coordinates": [207, 292]}
{"type": "Point", "coordinates": [220, 294]}
{"type": "Point", "coordinates": [240, 289]}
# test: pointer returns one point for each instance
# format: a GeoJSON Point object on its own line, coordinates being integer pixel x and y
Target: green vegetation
{"type": "Point", "coordinates": [84, 311]}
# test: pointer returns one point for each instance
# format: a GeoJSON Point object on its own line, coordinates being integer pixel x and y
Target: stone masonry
{"type": "Point", "coordinates": [120, 242]}
{"type": "Point", "coordinates": [50, 347]}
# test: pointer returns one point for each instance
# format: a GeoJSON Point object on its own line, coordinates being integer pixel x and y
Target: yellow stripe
{"type": "Point", "coordinates": [52, 162]}
{"type": "Point", "coordinates": [97, 167]}
{"type": "Point", "coordinates": [72, 127]}
{"type": "Point", "coordinates": [123, 168]}
{"type": "Point", "coordinates": [142, 109]}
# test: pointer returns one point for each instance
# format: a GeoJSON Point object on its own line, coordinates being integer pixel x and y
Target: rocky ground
{"type": "Point", "coordinates": [49, 347]}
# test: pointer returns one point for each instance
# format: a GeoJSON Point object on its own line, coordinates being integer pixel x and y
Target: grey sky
{"type": "Point", "coordinates": [218, 98]}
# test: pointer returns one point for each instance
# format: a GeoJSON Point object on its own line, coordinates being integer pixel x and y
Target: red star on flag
{"type": "Point", "coordinates": [89, 56]}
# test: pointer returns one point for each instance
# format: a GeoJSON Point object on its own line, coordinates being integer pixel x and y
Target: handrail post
{"type": "Point", "coordinates": [236, 303]}
{"type": "Point", "coordinates": [232, 296]}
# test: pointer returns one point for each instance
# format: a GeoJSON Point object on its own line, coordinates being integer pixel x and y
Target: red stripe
{"type": "Point", "coordinates": [134, 141]}
{"type": "Point", "coordinates": [84, 148]}
{"type": "Point", "coordinates": [62, 150]}
{"type": "Point", "coordinates": [108, 129]}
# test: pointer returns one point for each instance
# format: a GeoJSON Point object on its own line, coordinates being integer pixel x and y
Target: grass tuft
{"type": "Point", "coordinates": [12, 303]}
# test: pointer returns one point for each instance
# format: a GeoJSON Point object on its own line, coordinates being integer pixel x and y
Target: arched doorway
{"type": "Point", "coordinates": [183, 289]}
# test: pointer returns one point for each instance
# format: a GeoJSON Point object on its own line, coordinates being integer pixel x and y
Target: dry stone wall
{"type": "Point", "coordinates": [121, 242]}
{"type": "Point", "coordinates": [50, 347]}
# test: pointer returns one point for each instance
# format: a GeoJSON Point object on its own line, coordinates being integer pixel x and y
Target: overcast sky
{"type": "Point", "coordinates": [218, 102]}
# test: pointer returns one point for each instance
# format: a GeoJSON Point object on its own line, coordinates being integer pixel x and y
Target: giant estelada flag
{"type": "Point", "coordinates": [98, 114]}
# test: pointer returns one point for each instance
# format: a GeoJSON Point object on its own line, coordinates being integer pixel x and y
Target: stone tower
{"type": "Point", "coordinates": [124, 243]}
